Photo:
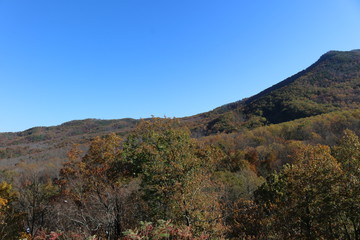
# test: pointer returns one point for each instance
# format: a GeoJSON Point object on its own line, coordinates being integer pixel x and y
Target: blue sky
{"type": "Point", "coordinates": [75, 59]}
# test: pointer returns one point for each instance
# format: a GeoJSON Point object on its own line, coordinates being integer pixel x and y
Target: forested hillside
{"type": "Point", "coordinates": [46, 147]}
{"type": "Point", "coordinates": [283, 164]}
{"type": "Point", "coordinates": [330, 84]}
{"type": "Point", "coordinates": [159, 183]}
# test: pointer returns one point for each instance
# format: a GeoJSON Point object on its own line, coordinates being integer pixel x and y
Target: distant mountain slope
{"type": "Point", "coordinates": [74, 128]}
{"type": "Point", "coordinates": [50, 144]}
{"type": "Point", "coordinates": [330, 84]}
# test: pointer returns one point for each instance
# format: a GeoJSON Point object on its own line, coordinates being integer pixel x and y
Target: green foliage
{"type": "Point", "coordinates": [175, 174]}
{"type": "Point", "coordinates": [227, 122]}
{"type": "Point", "coordinates": [328, 85]}
{"type": "Point", "coordinates": [348, 154]}
{"type": "Point", "coordinates": [239, 184]}
{"type": "Point", "coordinates": [348, 151]}
{"type": "Point", "coordinates": [302, 201]}
{"type": "Point", "coordinates": [314, 198]}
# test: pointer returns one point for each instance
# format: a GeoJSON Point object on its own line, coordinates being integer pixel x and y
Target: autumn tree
{"type": "Point", "coordinates": [96, 187]}
{"type": "Point", "coordinates": [175, 173]}
{"type": "Point", "coordinates": [11, 220]}
{"type": "Point", "coordinates": [316, 197]}
{"type": "Point", "coordinates": [303, 200]}
{"type": "Point", "coordinates": [348, 154]}
{"type": "Point", "coordinates": [36, 193]}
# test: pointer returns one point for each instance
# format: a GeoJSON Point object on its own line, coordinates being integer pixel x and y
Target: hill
{"type": "Point", "coordinates": [49, 145]}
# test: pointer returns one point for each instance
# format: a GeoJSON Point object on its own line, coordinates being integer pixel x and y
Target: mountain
{"type": "Point", "coordinates": [330, 84]}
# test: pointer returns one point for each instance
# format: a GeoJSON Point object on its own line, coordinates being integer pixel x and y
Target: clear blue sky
{"type": "Point", "coordinates": [63, 60]}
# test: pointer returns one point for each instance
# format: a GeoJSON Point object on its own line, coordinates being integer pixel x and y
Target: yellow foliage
{"type": "Point", "coordinates": [3, 202]}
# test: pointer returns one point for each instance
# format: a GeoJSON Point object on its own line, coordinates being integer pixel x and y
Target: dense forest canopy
{"type": "Point", "coordinates": [159, 183]}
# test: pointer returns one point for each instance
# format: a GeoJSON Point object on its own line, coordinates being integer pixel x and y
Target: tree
{"type": "Point", "coordinates": [35, 195]}
{"type": "Point", "coordinates": [303, 200]}
{"type": "Point", "coordinates": [348, 154]}
{"type": "Point", "coordinates": [10, 219]}
{"type": "Point", "coordinates": [97, 188]}
{"type": "Point", "coordinates": [175, 173]}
